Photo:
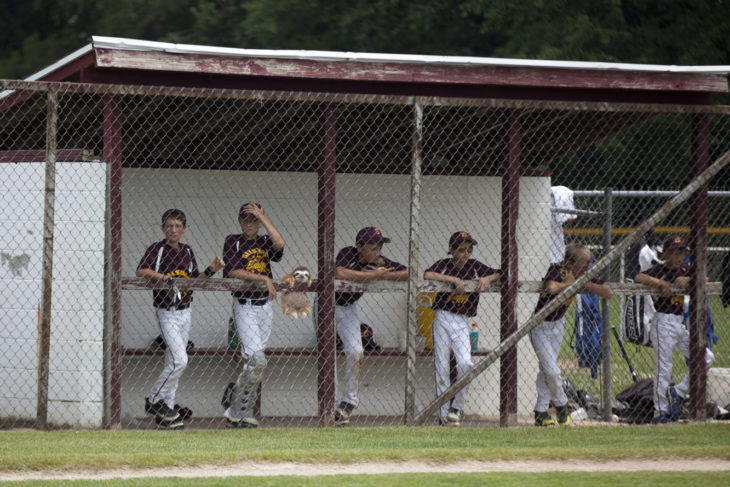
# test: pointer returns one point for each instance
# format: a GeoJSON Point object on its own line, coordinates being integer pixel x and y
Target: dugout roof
{"type": "Point", "coordinates": [234, 141]}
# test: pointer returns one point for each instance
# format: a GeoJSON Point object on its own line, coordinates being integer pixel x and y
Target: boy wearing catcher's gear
{"type": "Point", "coordinates": [168, 260]}
{"type": "Point", "coordinates": [667, 328]}
{"type": "Point", "coordinates": [548, 335]}
{"type": "Point", "coordinates": [248, 256]}
{"type": "Point", "coordinates": [359, 263]}
{"type": "Point", "coordinates": [450, 321]}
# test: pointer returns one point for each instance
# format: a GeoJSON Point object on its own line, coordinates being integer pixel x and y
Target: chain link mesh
{"type": "Point", "coordinates": [87, 350]}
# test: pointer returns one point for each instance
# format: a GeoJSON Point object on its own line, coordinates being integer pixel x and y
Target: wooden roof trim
{"type": "Point", "coordinates": [404, 72]}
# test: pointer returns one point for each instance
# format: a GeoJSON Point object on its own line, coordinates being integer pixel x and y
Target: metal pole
{"type": "Point", "coordinates": [605, 315]}
{"type": "Point", "coordinates": [44, 331]}
{"type": "Point", "coordinates": [413, 277]}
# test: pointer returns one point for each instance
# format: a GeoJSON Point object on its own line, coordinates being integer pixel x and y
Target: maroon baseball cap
{"type": "Point", "coordinates": [370, 235]}
{"type": "Point", "coordinates": [458, 238]}
{"type": "Point", "coordinates": [242, 213]}
{"type": "Point", "coordinates": [674, 242]}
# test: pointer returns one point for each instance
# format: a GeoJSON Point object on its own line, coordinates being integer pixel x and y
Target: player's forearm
{"type": "Point", "coordinates": [350, 275]}
{"type": "Point", "coordinates": [151, 274]}
{"type": "Point", "coordinates": [401, 275]}
{"type": "Point", "coordinates": [555, 287]}
{"type": "Point", "coordinates": [646, 279]}
{"type": "Point", "coordinates": [435, 276]}
{"type": "Point", "coordinates": [248, 276]}
{"type": "Point", "coordinates": [600, 290]}
{"type": "Point", "coordinates": [277, 241]}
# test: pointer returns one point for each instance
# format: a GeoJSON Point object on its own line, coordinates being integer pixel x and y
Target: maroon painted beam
{"type": "Point", "coordinates": [411, 72]}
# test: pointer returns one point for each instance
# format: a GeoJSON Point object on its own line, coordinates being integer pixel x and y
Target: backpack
{"type": "Point", "coordinates": [639, 400]}
{"type": "Point", "coordinates": [636, 320]}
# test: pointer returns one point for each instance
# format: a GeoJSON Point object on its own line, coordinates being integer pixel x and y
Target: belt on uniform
{"type": "Point", "coordinates": [253, 302]}
{"type": "Point", "coordinates": [178, 307]}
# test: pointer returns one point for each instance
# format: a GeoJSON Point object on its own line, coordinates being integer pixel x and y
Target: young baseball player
{"type": "Point", "coordinates": [548, 335]}
{"type": "Point", "coordinates": [358, 263]}
{"type": "Point", "coordinates": [450, 322]}
{"type": "Point", "coordinates": [248, 256]}
{"type": "Point", "coordinates": [168, 260]}
{"type": "Point", "coordinates": [667, 328]}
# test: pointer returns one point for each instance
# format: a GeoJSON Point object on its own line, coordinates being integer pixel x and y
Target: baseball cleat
{"type": "Point", "coordinates": [184, 412]}
{"type": "Point", "coordinates": [662, 418]}
{"type": "Point", "coordinates": [676, 402]}
{"type": "Point", "coordinates": [242, 422]}
{"type": "Point", "coordinates": [343, 412]}
{"type": "Point", "coordinates": [455, 416]}
{"type": "Point", "coordinates": [543, 418]}
{"type": "Point", "coordinates": [175, 424]}
{"type": "Point", "coordinates": [563, 415]}
{"type": "Point", "coordinates": [160, 410]}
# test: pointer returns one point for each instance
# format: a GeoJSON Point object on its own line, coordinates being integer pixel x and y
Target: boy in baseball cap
{"type": "Point", "coordinates": [248, 257]}
{"type": "Point", "coordinates": [362, 262]}
{"type": "Point", "coordinates": [452, 313]}
{"type": "Point", "coordinates": [668, 331]}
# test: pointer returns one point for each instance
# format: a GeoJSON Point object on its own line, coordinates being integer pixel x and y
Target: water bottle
{"type": "Point", "coordinates": [474, 337]}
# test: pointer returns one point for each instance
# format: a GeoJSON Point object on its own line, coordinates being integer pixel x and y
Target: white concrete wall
{"type": "Point", "coordinates": [211, 200]}
{"type": "Point", "coordinates": [76, 355]}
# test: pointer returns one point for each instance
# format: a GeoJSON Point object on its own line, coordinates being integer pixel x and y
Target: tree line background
{"type": "Point", "coordinates": [36, 33]}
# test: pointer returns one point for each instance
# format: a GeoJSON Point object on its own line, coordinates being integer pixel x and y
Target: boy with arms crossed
{"type": "Point", "coordinates": [667, 328]}
{"type": "Point", "coordinates": [450, 321]}
{"type": "Point", "coordinates": [359, 263]}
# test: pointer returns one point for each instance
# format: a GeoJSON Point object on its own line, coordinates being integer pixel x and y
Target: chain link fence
{"type": "Point", "coordinates": [89, 172]}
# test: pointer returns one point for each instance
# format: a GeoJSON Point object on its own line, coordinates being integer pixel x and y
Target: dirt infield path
{"type": "Point", "coordinates": [313, 469]}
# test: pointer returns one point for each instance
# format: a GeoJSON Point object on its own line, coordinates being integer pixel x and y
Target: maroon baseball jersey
{"type": "Point", "coordinates": [671, 304]}
{"type": "Point", "coordinates": [173, 262]}
{"type": "Point", "coordinates": [460, 304]}
{"type": "Point", "coordinates": [253, 255]}
{"type": "Point", "coordinates": [557, 273]}
{"type": "Point", "coordinates": [347, 258]}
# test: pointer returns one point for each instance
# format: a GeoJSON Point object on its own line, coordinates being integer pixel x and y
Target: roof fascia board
{"type": "Point", "coordinates": [400, 72]}
{"type": "Point", "coordinates": [140, 45]}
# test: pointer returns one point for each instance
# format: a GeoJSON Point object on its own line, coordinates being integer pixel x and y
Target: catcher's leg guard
{"type": "Point", "coordinates": [246, 390]}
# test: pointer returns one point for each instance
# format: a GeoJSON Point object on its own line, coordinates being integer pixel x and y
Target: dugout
{"type": "Point", "coordinates": [350, 128]}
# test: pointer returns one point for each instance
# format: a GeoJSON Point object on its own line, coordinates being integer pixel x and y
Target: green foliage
{"type": "Point", "coordinates": [34, 34]}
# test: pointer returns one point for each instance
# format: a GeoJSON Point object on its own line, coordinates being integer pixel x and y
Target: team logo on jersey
{"type": "Point", "coordinates": [256, 261]}
{"type": "Point", "coordinates": [180, 273]}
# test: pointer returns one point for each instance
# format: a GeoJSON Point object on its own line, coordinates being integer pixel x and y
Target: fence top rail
{"type": "Point", "coordinates": [218, 284]}
{"type": "Point", "coordinates": [9, 86]}
{"type": "Point", "coordinates": [643, 193]}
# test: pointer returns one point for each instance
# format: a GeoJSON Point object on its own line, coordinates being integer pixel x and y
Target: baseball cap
{"type": "Point", "coordinates": [242, 213]}
{"type": "Point", "coordinates": [370, 235]}
{"type": "Point", "coordinates": [674, 242]}
{"type": "Point", "coordinates": [460, 237]}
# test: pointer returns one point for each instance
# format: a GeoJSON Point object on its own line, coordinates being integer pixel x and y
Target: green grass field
{"type": "Point", "coordinates": [29, 451]}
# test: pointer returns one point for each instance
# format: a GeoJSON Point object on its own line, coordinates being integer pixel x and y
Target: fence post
{"type": "Point", "coordinates": [605, 312]}
{"type": "Point", "coordinates": [509, 284]}
{"type": "Point", "coordinates": [413, 274]}
{"type": "Point", "coordinates": [326, 267]}
{"type": "Point", "coordinates": [44, 325]}
{"type": "Point", "coordinates": [698, 270]}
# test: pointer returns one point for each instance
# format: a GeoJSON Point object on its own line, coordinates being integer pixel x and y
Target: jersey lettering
{"type": "Point", "coordinates": [257, 263]}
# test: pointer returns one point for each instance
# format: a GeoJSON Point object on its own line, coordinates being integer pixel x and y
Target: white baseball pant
{"type": "Point", "coordinates": [546, 339]}
{"type": "Point", "coordinates": [667, 333]}
{"type": "Point", "coordinates": [347, 324]}
{"type": "Point", "coordinates": [175, 329]}
{"type": "Point", "coordinates": [253, 324]}
{"type": "Point", "coordinates": [450, 332]}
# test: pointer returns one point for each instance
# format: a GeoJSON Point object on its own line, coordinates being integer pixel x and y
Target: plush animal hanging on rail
{"type": "Point", "coordinates": [296, 304]}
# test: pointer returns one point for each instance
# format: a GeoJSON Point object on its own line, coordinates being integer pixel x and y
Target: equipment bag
{"type": "Point", "coordinates": [636, 318]}
{"type": "Point", "coordinates": [639, 400]}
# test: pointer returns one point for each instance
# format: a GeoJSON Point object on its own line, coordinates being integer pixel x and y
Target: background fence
{"type": "Point", "coordinates": [88, 171]}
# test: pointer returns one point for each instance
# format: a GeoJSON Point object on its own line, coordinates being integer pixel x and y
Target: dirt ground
{"type": "Point", "coordinates": [271, 469]}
